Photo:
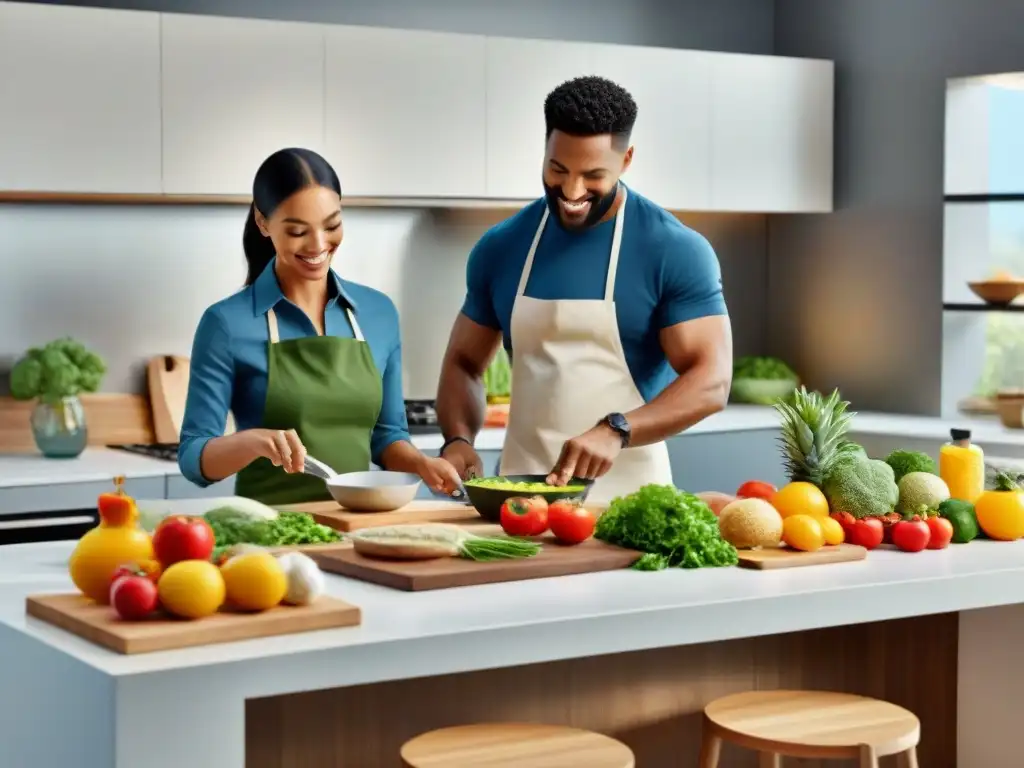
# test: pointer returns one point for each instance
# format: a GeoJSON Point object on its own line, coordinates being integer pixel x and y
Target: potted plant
{"type": "Point", "coordinates": [762, 380]}
{"type": "Point", "coordinates": [54, 376]}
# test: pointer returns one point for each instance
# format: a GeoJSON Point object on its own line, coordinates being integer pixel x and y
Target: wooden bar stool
{"type": "Point", "coordinates": [515, 745]}
{"type": "Point", "coordinates": [809, 724]}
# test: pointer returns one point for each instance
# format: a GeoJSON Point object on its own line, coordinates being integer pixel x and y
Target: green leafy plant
{"type": "Point", "coordinates": [63, 368]}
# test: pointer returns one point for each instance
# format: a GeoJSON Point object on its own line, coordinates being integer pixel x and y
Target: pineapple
{"type": "Point", "coordinates": [813, 434]}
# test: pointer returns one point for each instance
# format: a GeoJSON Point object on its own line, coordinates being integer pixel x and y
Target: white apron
{"type": "Point", "coordinates": [568, 373]}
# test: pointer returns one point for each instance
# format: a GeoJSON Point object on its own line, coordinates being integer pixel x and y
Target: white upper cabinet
{"type": "Point", "coordinates": [406, 112]}
{"type": "Point", "coordinates": [79, 99]}
{"type": "Point", "coordinates": [771, 133]}
{"type": "Point", "coordinates": [672, 137]}
{"type": "Point", "coordinates": [235, 91]}
{"type": "Point", "coordinates": [520, 75]}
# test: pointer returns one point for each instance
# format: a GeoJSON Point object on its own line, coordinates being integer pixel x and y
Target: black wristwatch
{"type": "Point", "coordinates": [620, 424]}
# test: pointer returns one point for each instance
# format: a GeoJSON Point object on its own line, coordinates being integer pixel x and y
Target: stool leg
{"type": "Point", "coordinates": [910, 758]}
{"type": "Point", "coordinates": [868, 758]}
{"type": "Point", "coordinates": [710, 749]}
{"type": "Point", "coordinates": [769, 760]}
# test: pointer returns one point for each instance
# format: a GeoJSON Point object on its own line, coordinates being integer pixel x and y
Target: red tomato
{"type": "Point", "coordinates": [524, 517]}
{"type": "Point", "coordinates": [866, 532]}
{"type": "Point", "coordinates": [182, 538]}
{"type": "Point", "coordinates": [570, 522]}
{"type": "Point", "coordinates": [911, 535]}
{"type": "Point", "coordinates": [940, 532]}
{"type": "Point", "coordinates": [756, 489]}
{"type": "Point", "coordinates": [149, 570]}
{"type": "Point", "coordinates": [133, 597]}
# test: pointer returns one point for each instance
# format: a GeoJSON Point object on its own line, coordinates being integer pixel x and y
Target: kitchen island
{"type": "Point", "coordinates": [632, 654]}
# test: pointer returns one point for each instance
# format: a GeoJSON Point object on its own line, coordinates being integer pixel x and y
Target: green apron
{"type": "Point", "coordinates": [327, 389]}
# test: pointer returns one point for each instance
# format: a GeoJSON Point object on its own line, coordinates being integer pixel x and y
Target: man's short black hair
{"type": "Point", "coordinates": [591, 106]}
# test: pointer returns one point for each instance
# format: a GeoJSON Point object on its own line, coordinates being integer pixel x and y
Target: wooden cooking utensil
{"type": "Point", "coordinates": [167, 377]}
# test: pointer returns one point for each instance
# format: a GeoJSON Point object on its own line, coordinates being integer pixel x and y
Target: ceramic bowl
{"type": "Point", "coordinates": [374, 491]}
{"type": "Point", "coordinates": [998, 292]}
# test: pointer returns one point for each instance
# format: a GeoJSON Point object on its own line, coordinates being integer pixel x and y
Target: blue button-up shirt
{"type": "Point", "coordinates": [228, 368]}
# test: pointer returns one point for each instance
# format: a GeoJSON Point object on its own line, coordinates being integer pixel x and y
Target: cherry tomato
{"type": "Point", "coordinates": [940, 532]}
{"type": "Point", "coordinates": [570, 522]}
{"type": "Point", "coordinates": [756, 489]}
{"type": "Point", "coordinates": [866, 532]}
{"type": "Point", "coordinates": [133, 597]}
{"type": "Point", "coordinates": [522, 516]}
{"type": "Point", "coordinates": [911, 535]}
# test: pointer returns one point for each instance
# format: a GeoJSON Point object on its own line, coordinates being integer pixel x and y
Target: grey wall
{"type": "Point", "coordinates": [131, 282]}
{"type": "Point", "coordinates": [855, 297]}
{"type": "Point", "coordinates": [743, 26]}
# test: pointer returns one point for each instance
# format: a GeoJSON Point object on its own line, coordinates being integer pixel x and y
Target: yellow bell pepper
{"type": "Point", "coordinates": [1000, 512]}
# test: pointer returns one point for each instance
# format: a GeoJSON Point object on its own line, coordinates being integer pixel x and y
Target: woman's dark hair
{"type": "Point", "coordinates": [281, 175]}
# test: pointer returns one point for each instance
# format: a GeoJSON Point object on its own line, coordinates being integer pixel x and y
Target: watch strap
{"type": "Point", "coordinates": [451, 441]}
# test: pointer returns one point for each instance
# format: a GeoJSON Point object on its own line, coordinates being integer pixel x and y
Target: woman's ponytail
{"type": "Point", "coordinates": [259, 251]}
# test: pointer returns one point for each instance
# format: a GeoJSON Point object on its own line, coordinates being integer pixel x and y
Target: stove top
{"type": "Point", "coordinates": [165, 451]}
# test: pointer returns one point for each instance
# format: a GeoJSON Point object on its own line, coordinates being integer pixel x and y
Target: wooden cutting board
{"type": "Point", "coordinates": [783, 557]}
{"type": "Point", "coordinates": [167, 378]}
{"type": "Point", "coordinates": [340, 519]}
{"type": "Point", "coordinates": [554, 559]}
{"type": "Point", "coordinates": [99, 624]}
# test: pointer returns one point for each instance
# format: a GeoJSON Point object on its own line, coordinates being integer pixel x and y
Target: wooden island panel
{"type": "Point", "coordinates": [651, 700]}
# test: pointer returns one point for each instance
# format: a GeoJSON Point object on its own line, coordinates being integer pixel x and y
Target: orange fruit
{"type": "Point", "coordinates": [803, 532]}
{"type": "Point", "coordinates": [800, 498]}
{"type": "Point", "coordinates": [833, 531]}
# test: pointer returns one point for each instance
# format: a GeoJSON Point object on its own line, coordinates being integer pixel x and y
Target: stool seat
{"type": "Point", "coordinates": [810, 724]}
{"type": "Point", "coordinates": [515, 745]}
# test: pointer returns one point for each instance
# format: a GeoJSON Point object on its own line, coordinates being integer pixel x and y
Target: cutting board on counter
{"type": "Point", "coordinates": [554, 559]}
{"type": "Point", "coordinates": [167, 378]}
{"type": "Point", "coordinates": [783, 557]}
{"type": "Point", "coordinates": [329, 513]}
{"type": "Point", "coordinates": [99, 624]}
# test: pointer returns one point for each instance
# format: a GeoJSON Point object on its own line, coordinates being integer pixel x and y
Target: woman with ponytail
{"type": "Point", "coordinates": [305, 361]}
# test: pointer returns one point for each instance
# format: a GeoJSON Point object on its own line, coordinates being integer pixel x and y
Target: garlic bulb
{"type": "Point", "coordinates": [305, 579]}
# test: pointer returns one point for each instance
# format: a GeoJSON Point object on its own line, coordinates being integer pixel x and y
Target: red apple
{"type": "Point", "coordinates": [182, 538]}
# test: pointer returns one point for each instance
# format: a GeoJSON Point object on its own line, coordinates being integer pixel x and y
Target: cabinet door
{"type": "Point", "coordinates": [79, 99]}
{"type": "Point", "coordinates": [235, 91]}
{"type": "Point", "coordinates": [520, 75]}
{"type": "Point", "coordinates": [406, 112]}
{"type": "Point", "coordinates": [771, 134]}
{"type": "Point", "coordinates": [672, 137]}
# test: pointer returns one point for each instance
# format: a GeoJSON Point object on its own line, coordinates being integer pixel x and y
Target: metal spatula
{"type": "Point", "coordinates": [316, 467]}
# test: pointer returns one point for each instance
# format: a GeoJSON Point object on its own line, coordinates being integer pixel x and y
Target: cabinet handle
{"type": "Point", "coordinates": [45, 522]}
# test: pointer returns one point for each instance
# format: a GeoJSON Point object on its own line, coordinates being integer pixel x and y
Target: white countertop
{"type": "Point", "coordinates": [99, 464]}
{"type": "Point", "coordinates": [406, 635]}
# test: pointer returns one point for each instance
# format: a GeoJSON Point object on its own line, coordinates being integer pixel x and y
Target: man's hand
{"type": "Point", "coordinates": [589, 456]}
{"type": "Point", "coordinates": [464, 458]}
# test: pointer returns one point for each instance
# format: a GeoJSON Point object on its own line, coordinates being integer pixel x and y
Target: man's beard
{"type": "Point", "coordinates": [599, 207]}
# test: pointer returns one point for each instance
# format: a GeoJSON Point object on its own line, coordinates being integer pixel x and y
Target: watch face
{"type": "Point", "coordinates": [618, 422]}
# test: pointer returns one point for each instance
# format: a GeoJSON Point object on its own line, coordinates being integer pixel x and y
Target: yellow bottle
{"type": "Point", "coordinates": [962, 466]}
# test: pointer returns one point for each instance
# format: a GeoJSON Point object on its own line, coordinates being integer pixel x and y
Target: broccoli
{"type": "Point", "coordinates": [905, 462]}
{"type": "Point", "coordinates": [861, 486]}
{"type": "Point", "coordinates": [62, 368]}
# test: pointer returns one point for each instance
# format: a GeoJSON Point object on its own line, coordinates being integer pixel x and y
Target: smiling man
{"type": "Point", "coordinates": [611, 309]}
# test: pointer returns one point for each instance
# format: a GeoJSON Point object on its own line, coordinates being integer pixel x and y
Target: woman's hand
{"type": "Point", "coordinates": [282, 447]}
{"type": "Point", "coordinates": [439, 475]}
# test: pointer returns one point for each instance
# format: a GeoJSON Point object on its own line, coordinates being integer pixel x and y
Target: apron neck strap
{"type": "Point", "coordinates": [272, 326]}
{"type": "Point", "coordinates": [613, 261]}
{"type": "Point", "coordinates": [275, 337]}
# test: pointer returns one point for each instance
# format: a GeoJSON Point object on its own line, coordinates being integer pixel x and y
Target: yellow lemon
{"type": "Point", "coordinates": [832, 530]}
{"type": "Point", "coordinates": [255, 581]}
{"type": "Point", "coordinates": [803, 532]}
{"type": "Point", "coordinates": [191, 589]}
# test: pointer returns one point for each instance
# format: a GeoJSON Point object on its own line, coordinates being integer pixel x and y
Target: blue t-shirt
{"type": "Point", "coordinates": [228, 368]}
{"type": "Point", "coordinates": [667, 274]}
